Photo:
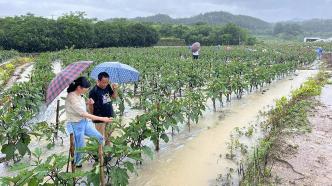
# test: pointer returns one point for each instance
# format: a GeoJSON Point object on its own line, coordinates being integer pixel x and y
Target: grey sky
{"type": "Point", "coordinates": [268, 10]}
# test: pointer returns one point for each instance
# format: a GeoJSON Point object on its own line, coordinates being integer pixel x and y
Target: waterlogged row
{"type": "Point", "coordinates": [172, 91]}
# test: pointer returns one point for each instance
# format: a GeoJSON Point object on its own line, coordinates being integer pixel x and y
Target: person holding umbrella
{"type": "Point", "coordinates": [101, 94]}
{"type": "Point", "coordinates": [77, 116]}
{"type": "Point", "coordinates": [195, 48]}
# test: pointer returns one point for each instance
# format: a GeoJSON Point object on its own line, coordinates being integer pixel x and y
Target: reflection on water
{"type": "Point", "coordinates": [326, 95]}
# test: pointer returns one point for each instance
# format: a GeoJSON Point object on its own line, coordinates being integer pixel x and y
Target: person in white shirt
{"type": "Point", "coordinates": [196, 54]}
{"type": "Point", "coordinates": [77, 116]}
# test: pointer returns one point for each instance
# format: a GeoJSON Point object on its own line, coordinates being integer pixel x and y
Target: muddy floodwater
{"type": "Point", "coordinates": [197, 158]}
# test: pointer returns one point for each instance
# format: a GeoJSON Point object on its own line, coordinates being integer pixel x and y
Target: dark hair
{"type": "Point", "coordinates": [102, 75]}
{"type": "Point", "coordinates": [81, 81]}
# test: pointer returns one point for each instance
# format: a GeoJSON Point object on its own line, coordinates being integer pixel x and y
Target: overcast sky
{"type": "Point", "coordinates": [268, 10]}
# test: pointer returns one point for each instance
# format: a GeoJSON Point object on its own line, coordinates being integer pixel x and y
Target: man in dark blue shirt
{"type": "Point", "coordinates": [319, 52]}
{"type": "Point", "coordinates": [101, 95]}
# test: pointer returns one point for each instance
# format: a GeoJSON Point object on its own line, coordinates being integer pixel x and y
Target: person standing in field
{"type": "Point", "coordinates": [319, 52]}
{"type": "Point", "coordinates": [77, 116]}
{"type": "Point", "coordinates": [196, 54]}
{"type": "Point", "coordinates": [195, 48]}
{"type": "Point", "coordinates": [102, 94]}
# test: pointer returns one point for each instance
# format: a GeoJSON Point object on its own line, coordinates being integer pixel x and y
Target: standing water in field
{"type": "Point", "coordinates": [197, 158]}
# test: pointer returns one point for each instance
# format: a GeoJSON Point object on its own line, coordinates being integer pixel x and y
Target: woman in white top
{"type": "Point", "coordinates": [196, 54]}
{"type": "Point", "coordinates": [77, 116]}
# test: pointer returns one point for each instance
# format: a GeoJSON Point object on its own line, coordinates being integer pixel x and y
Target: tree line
{"type": "Point", "coordinates": [29, 33]}
{"type": "Point", "coordinates": [298, 30]}
{"type": "Point", "coordinates": [229, 34]}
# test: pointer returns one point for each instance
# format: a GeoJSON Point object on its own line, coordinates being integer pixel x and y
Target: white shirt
{"type": "Point", "coordinates": [196, 53]}
{"type": "Point", "coordinates": [75, 107]}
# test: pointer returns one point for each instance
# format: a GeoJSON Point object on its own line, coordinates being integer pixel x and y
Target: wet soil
{"type": "Point", "coordinates": [306, 159]}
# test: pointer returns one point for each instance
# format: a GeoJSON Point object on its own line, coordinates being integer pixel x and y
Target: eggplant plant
{"type": "Point", "coordinates": [40, 171]}
{"type": "Point", "coordinates": [193, 107]}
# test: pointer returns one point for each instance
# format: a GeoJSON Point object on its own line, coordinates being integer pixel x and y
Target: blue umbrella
{"type": "Point", "coordinates": [118, 72]}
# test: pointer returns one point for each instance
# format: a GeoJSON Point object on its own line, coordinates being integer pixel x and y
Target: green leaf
{"type": "Point", "coordinates": [119, 176]}
{"type": "Point", "coordinates": [129, 166]}
{"type": "Point", "coordinates": [36, 134]}
{"type": "Point", "coordinates": [9, 150]}
{"type": "Point", "coordinates": [19, 166]}
{"type": "Point", "coordinates": [50, 145]}
{"type": "Point", "coordinates": [25, 138]}
{"type": "Point", "coordinates": [33, 182]}
{"type": "Point", "coordinates": [135, 156]}
{"type": "Point", "coordinates": [38, 152]}
{"type": "Point", "coordinates": [164, 137]}
{"type": "Point", "coordinates": [148, 151]}
{"type": "Point", "coordinates": [4, 181]}
{"type": "Point", "coordinates": [93, 178]}
{"type": "Point", "coordinates": [25, 177]}
{"type": "Point", "coordinates": [22, 148]}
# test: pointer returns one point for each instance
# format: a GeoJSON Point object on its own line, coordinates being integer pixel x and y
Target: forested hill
{"type": "Point", "coordinates": [215, 18]}
{"type": "Point", "coordinates": [317, 25]}
{"type": "Point", "coordinates": [255, 25]}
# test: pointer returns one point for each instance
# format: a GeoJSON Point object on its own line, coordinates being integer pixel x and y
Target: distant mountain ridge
{"type": "Point", "coordinates": [253, 24]}
{"type": "Point", "coordinates": [215, 18]}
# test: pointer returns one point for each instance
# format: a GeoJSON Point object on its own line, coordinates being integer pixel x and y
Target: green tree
{"type": "Point", "coordinates": [75, 31]}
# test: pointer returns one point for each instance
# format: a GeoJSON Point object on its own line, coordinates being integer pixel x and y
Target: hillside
{"type": "Point", "coordinates": [319, 27]}
{"type": "Point", "coordinates": [218, 18]}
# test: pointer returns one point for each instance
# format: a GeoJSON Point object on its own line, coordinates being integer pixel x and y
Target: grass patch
{"type": "Point", "coordinates": [7, 70]}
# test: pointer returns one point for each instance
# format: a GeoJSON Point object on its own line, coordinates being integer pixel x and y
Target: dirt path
{"type": "Point", "coordinates": [5, 62]}
{"type": "Point", "coordinates": [307, 158]}
{"type": "Point", "coordinates": [21, 73]}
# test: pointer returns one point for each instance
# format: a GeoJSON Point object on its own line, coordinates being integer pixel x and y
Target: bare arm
{"type": "Point", "coordinates": [115, 91]}
{"type": "Point", "coordinates": [75, 104]}
{"type": "Point", "coordinates": [90, 105]}
{"type": "Point", "coordinates": [91, 101]}
{"type": "Point", "coordinates": [93, 117]}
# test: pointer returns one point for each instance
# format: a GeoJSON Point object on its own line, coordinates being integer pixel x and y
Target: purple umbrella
{"type": "Point", "coordinates": [195, 46]}
{"type": "Point", "coordinates": [64, 78]}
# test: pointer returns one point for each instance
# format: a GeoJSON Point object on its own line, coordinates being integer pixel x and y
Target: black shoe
{"type": "Point", "coordinates": [107, 158]}
{"type": "Point", "coordinates": [96, 158]}
{"type": "Point", "coordinates": [78, 166]}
